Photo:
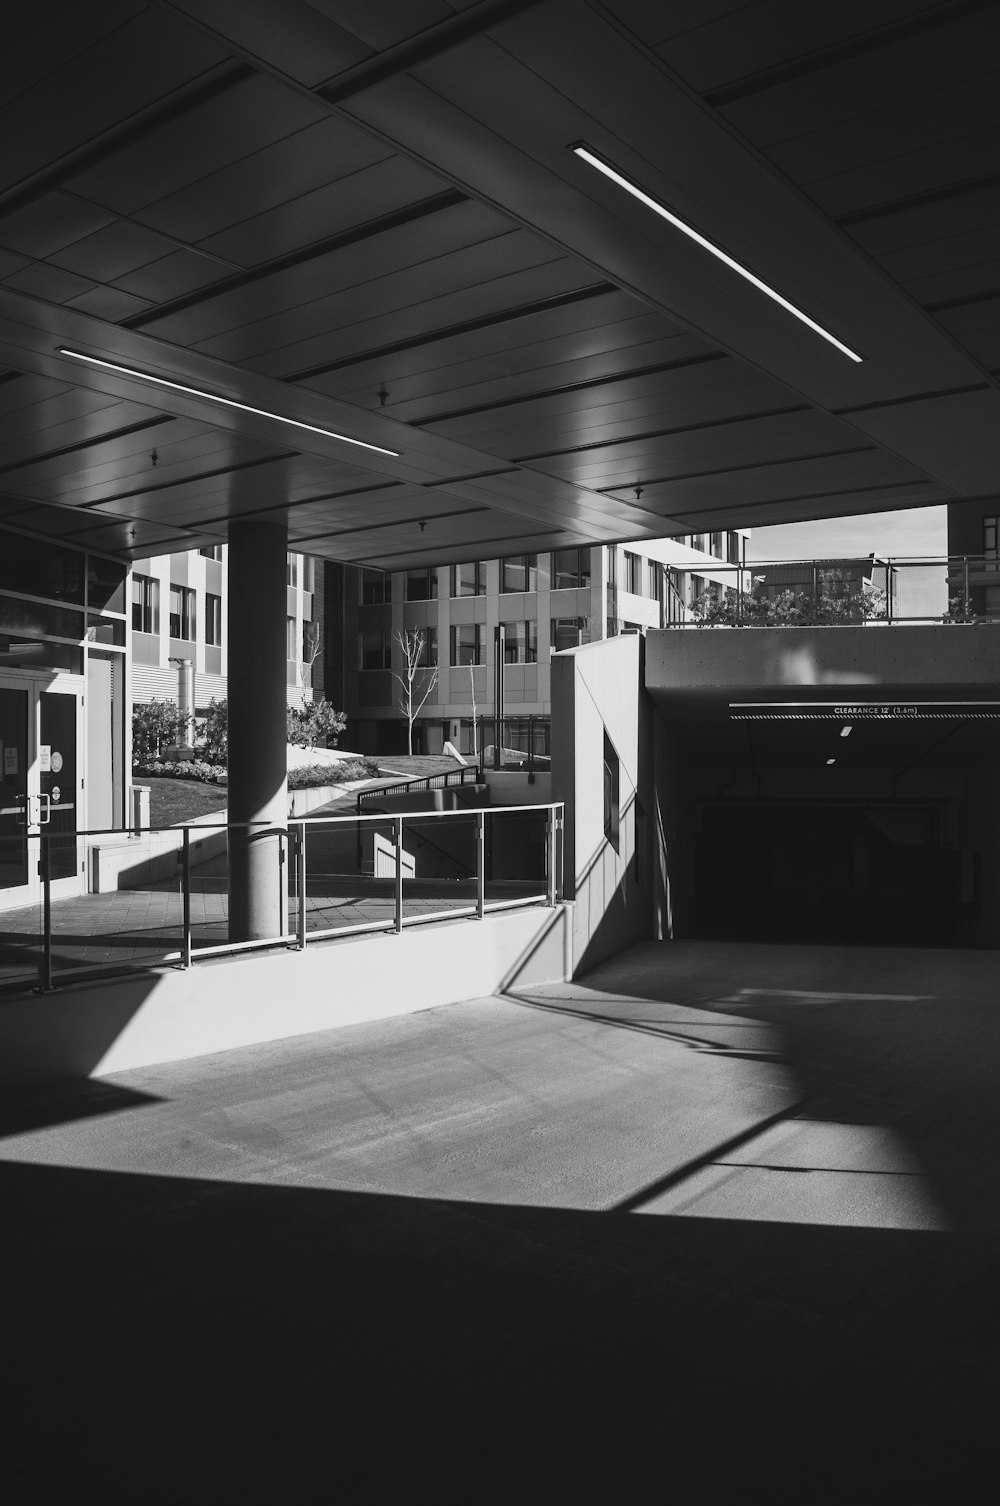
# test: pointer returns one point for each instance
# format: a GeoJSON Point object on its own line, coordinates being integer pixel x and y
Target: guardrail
{"type": "Point", "coordinates": [513, 855]}
{"type": "Point", "coordinates": [469, 774]}
{"type": "Point", "coordinates": [847, 591]}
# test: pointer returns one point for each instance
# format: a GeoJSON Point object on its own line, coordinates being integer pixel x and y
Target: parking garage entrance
{"type": "Point", "coordinates": [878, 826]}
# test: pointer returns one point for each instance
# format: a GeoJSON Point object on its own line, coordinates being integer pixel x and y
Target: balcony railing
{"type": "Point", "coordinates": [336, 875]}
{"type": "Point", "coordinates": [871, 591]}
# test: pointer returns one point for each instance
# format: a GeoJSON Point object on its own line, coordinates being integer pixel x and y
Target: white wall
{"type": "Point", "coordinates": [596, 689]}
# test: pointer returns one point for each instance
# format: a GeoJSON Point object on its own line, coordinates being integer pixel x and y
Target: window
{"type": "Point", "coordinates": [291, 569]}
{"type": "Point", "coordinates": [632, 574]}
{"type": "Point", "coordinates": [182, 613]}
{"type": "Point", "coordinates": [211, 552]}
{"type": "Point", "coordinates": [519, 573]}
{"type": "Point", "coordinates": [376, 587]}
{"type": "Point", "coordinates": [570, 567]}
{"type": "Point", "coordinates": [291, 641]}
{"type": "Point", "coordinates": [719, 545]}
{"type": "Point", "coordinates": [467, 643]}
{"type": "Point", "coordinates": [428, 655]}
{"type": "Point", "coordinates": [469, 580]}
{"type": "Point", "coordinates": [612, 805]}
{"type": "Point", "coordinates": [990, 542]}
{"type": "Point", "coordinates": [145, 604]}
{"type": "Point", "coordinates": [520, 644]}
{"type": "Point", "coordinates": [733, 548]}
{"type": "Point", "coordinates": [374, 651]}
{"type": "Point", "coordinates": [421, 585]}
{"type": "Point", "coordinates": [213, 619]}
{"type": "Point", "coordinates": [569, 632]}
{"type": "Point", "coordinates": [655, 580]}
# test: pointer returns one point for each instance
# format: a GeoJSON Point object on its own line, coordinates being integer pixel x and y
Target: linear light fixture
{"type": "Point", "coordinates": [593, 160]}
{"type": "Point", "coordinates": [846, 731]}
{"type": "Point", "coordinates": [227, 402]}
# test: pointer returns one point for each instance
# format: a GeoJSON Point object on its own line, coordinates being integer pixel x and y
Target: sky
{"type": "Point", "coordinates": [910, 533]}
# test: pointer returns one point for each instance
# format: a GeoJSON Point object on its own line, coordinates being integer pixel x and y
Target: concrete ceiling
{"type": "Point", "coordinates": [368, 218]}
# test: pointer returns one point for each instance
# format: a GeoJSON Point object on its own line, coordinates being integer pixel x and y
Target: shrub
{"type": "Point", "coordinates": [188, 768]}
{"type": "Point", "coordinates": [339, 773]}
{"type": "Point", "coordinates": [315, 724]}
{"type": "Point", "coordinates": [214, 741]}
{"type": "Point", "coordinates": [154, 727]}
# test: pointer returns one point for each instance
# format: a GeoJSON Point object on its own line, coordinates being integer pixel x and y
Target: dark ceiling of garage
{"type": "Point", "coordinates": [369, 219]}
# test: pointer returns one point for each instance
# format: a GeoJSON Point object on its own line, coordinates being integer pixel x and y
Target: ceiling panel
{"type": "Point", "coordinates": [331, 212]}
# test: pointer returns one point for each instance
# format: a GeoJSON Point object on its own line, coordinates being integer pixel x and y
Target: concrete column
{"type": "Point", "coordinates": [258, 757]}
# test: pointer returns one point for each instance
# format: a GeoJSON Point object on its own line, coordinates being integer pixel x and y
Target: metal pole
{"type": "Point", "coordinates": [550, 854]}
{"type": "Point", "coordinates": [480, 863]}
{"type": "Point", "coordinates": [499, 648]}
{"type": "Point", "coordinates": [46, 868]}
{"type": "Point", "coordinates": [301, 883]}
{"type": "Point", "coordinates": [186, 896]}
{"type": "Point", "coordinates": [397, 827]}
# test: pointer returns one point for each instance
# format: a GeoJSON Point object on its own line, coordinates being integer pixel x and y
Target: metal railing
{"type": "Point", "coordinates": [444, 780]}
{"type": "Point", "coordinates": [495, 858]}
{"type": "Point", "coordinates": [841, 592]}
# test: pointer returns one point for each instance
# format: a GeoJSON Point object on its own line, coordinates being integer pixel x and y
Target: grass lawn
{"type": "Point", "coordinates": [172, 800]}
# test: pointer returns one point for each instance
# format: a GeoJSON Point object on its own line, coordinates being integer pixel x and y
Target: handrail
{"type": "Point", "coordinates": [543, 887]}
{"type": "Point", "coordinates": [449, 777]}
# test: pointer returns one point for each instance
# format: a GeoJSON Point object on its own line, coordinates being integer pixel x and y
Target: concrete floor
{"type": "Point", "coordinates": [401, 1258]}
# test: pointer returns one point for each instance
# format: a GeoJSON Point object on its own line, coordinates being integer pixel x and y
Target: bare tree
{"type": "Point", "coordinates": [416, 679]}
{"type": "Point", "coordinates": [312, 650]}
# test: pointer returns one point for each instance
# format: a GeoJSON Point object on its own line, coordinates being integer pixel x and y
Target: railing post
{"type": "Point", "coordinates": [480, 863]}
{"type": "Point", "coordinates": [397, 829]}
{"type": "Point", "coordinates": [186, 897]}
{"type": "Point", "coordinates": [45, 864]}
{"type": "Point", "coordinates": [300, 861]}
{"type": "Point", "coordinates": [889, 574]}
{"type": "Point", "coordinates": [550, 855]}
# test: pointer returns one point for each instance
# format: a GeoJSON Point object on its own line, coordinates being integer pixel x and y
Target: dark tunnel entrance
{"type": "Point", "coordinates": [818, 828]}
{"type": "Point", "coordinates": [832, 872]}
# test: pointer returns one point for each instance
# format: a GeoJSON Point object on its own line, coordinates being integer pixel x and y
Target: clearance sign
{"type": "Point", "coordinates": [863, 711]}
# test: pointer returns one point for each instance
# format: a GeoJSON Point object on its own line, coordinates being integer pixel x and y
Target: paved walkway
{"type": "Point", "coordinates": [401, 1260]}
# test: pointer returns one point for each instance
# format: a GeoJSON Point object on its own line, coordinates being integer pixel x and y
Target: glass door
{"type": "Point", "coordinates": [16, 887]}
{"type": "Point", "coordinates": [60, 785]}
{"type": "Point", "coordinates": [40, 786]}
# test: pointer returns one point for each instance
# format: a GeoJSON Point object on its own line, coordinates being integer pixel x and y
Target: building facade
{"type": "Point", "coordinates": [180, 626]}
{"type": "Point", "coordinates": [63, 699]}
{"type": "Point", "coordinates": [543, 602]}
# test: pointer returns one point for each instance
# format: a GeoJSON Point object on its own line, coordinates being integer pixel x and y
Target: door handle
{"type": "Point", "coordinates": [44, 815]}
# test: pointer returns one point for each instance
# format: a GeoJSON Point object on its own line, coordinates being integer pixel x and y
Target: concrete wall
{"type": "Point", "coordinates": [598, 689]}
{"type": "Point", "coordinates": [751, 662]}
{"type": "Point", "coordinates": [109, 1026]}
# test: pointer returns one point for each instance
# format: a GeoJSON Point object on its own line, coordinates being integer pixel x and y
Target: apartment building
{"type": "Point", "coordinates": [179, 626]}
{"type": "Point", "coordinates": [544, 603]}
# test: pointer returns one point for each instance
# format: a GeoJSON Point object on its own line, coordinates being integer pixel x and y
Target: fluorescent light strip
{"type": "Point", "coordinates": [586, 155]}
{"type": "Point", "coordinates": [227, 402]}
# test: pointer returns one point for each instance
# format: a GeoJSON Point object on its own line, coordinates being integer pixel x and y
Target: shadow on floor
{"type": "Point", "coordinates": [905, 1039]}
{"type": "Point", "coordinates": [174, 1340]}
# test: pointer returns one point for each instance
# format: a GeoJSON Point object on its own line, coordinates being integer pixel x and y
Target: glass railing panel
{"type": "Point", "coordinates": [349, 875]}
{"type": "Point", "coordinates": [439, 864]}
{"type": "Point", "coordinates": [516, 855]}
{"type": "Point", "coordinates": [208, 869]}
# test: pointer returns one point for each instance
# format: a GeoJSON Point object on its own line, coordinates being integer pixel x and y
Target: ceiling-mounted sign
{"type": "Point", "coordinates": [863, 711]}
